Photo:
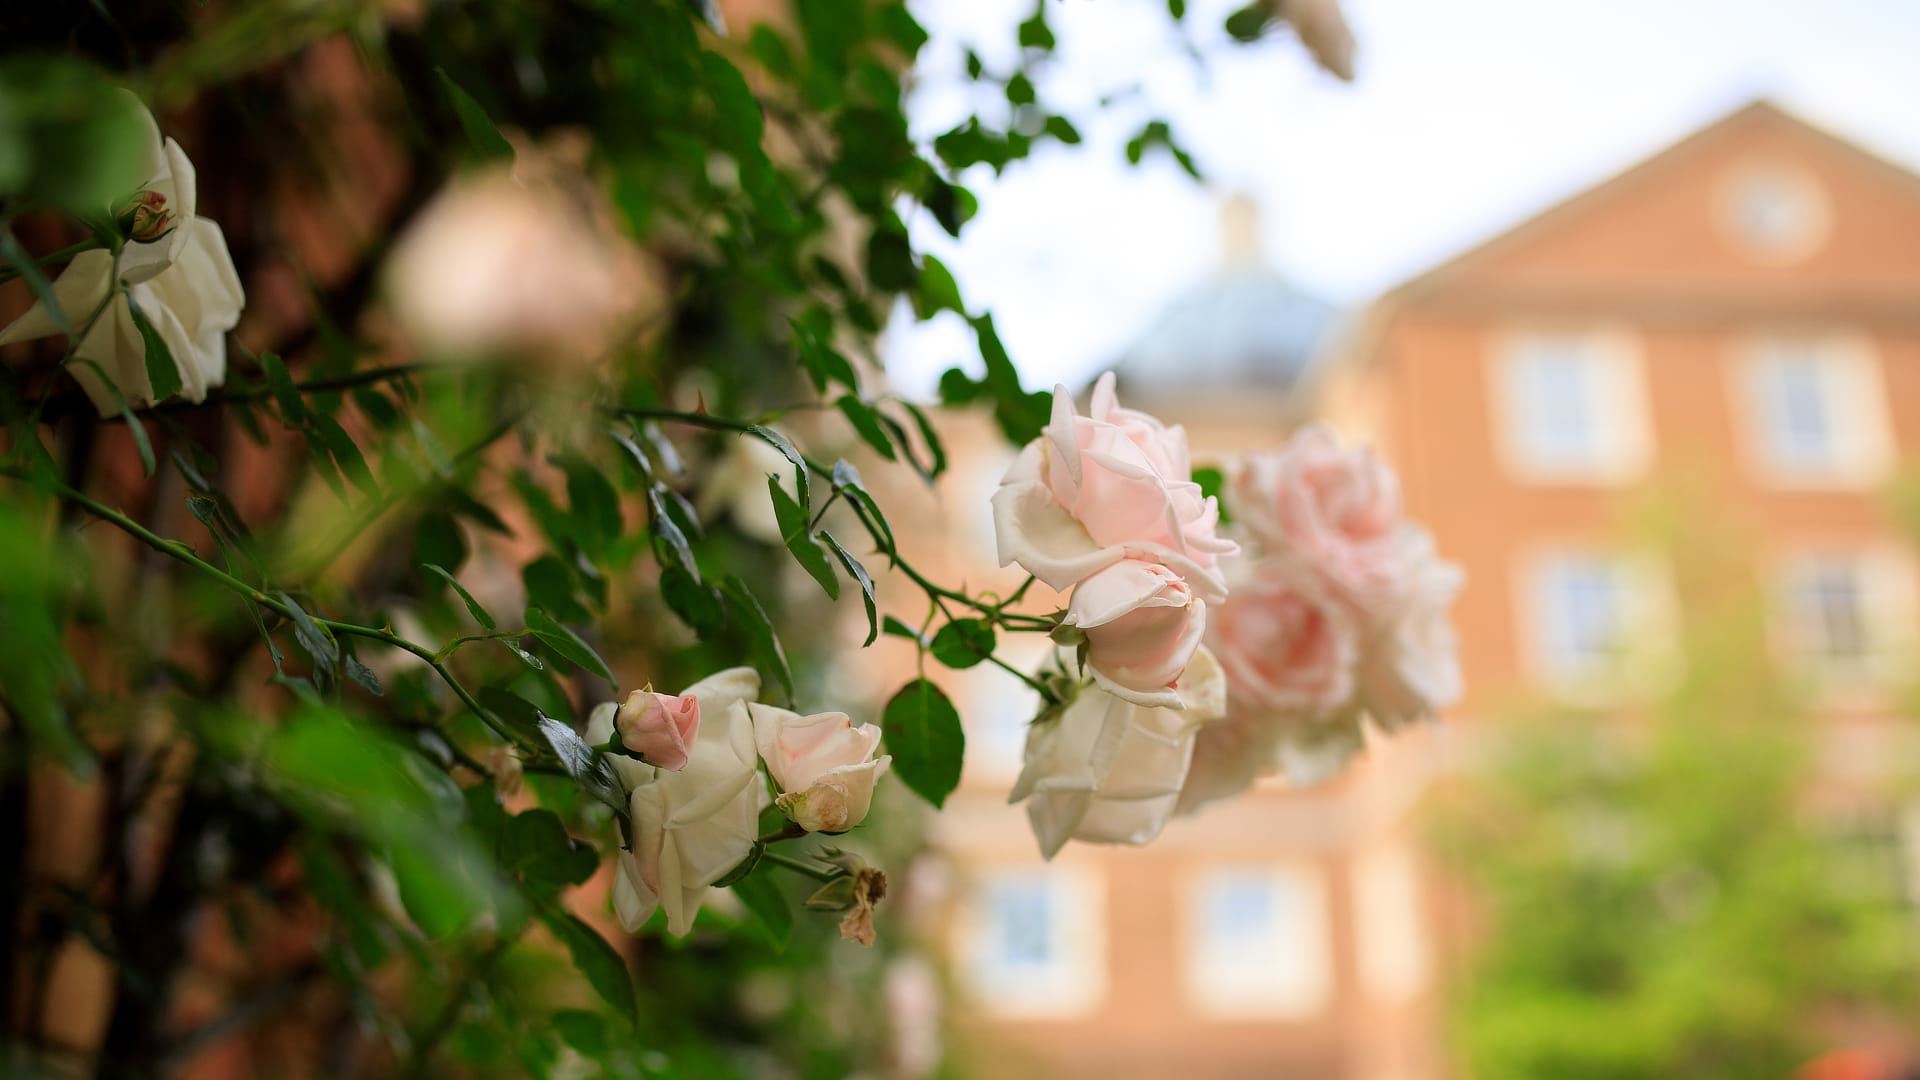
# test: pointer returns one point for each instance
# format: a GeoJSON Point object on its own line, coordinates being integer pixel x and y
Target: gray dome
{"type": "Point", "coordinates": [1246, 327]}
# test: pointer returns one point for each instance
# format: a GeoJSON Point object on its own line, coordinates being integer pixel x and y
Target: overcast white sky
{"type": "Point", "coordinates": [1467, 116]}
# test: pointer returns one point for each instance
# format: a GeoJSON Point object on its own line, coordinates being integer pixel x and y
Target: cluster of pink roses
{"type": "Point", "coordinates": [1105, 505]}
{"type": "Point", "coordinates": [1338, 614]}
{"type": "Point", "coordinates": [695, 792]}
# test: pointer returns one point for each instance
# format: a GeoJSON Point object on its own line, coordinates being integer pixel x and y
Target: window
{"type": "Point", "coordinates": [1572, 407]}
{"type": "Point", "coordinates": [1032, 942]}
{"type": "Point", "coordinates": [1257, 942]}
{"type": "Point", "coordinates": [1815, 413]}
{"type": "Point", "coordinates": [1847, 616]}
{"type": "Point", "coordinates": [1594, 621]}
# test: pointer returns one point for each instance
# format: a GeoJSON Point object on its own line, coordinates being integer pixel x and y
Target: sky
{"type": "Point", "coordinates": [1465, 118]}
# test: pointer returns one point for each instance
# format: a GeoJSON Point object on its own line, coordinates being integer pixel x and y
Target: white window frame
{"type": "Point", "coordinates": [1613, 373]}
{"type": "Point", "coordinates": [1074, 982]}
{"type": "Point", "coordinates": [1647, 616]}
{"type": "Point", "coordinates": [1852, 393]}
{"type": "Point", "coordinates": [1888, 594]}
{"type": "Point", "coordinates": [1294, 979]}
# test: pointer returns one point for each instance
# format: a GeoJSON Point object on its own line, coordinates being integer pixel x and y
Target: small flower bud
{"type": "Point", "coordinates": [145, 217]}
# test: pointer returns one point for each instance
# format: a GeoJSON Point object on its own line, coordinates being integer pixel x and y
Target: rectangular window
{"type": "Point", "coordinates": [1582, 606]}
{"type": "Point", "coordinates": [1846, 617]}
{"type": "Point", "coordinates": [1571, 407]}
{"type": "Point", "coordinates": [1032, 942]}
{"type": "Point", "coordinates": [1814, 412]}
{"type": "Point", "coordinates": [1256, 943]}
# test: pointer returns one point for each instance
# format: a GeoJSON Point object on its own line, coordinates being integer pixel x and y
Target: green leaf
{"type": "Point", "coordinates": [595, 503]}
{"type": "Point", "coordinates": [513, 710]}
{"type": "Point", "coordinates": [1020, 90]}
{"type": "Point", "coordinates": [937, 290]}
{"type": "Point", "coordinates": [520, 651]}
{"type": "Point", "coordinates": [588, 766]}
{"type": "Point", "coordinates": [867, 424]}
{"type": "Point", "coordinates": [957, 389]}
{"type": "Point", "coordinates": [316, 640]}
{"type": "Point", "coordinates": [603, 967]}
{"type": "Point", "coordinates": [581, 1029]}
{"type": "Point", "coordinates": [549, 584]}
{"type": "Point", "coordinates": [1248, 23]}
{"type": "Point", "coordinates": [893, 627]}
{"type": "Point", "coordinates": [346, 453]}
{"type": "Point", "coordinates": [846, 478]}
{"type": "Point", "coordinates": [134, 426]}
{"type": "Point", "coordinates": [568, 644]}
{"type": "Point", "coordinates": [930, 436]}
{"type": "Point", "coordinates": [787, 450]}
{"type": "Point", "coordinates": [744, 867]}
{"type": "Point", "coordinates": [479, 613]}
{"type": "Point", "coordinates": [1034, 33]}
{"type": "Point", "coordinates": [17, 257]}
{"type": "Point", "coordinates": [162, 372]}
{"type": "Point", "coordinates": [793, 532]}
{"type": "Point", "coordinates": [924, 736]}
{"type": "Point", "coordinates": [437, 539]}
{"type": "Point", "coordinates": [759, 629]}
{"type": "Point", "coordinates": [859, 574]}
{"type": "Point", "coordinates": [535, 845]}
{"type": "Point", "coordinates": [293, 408]}
{"type": "Point", "coordinates": [485, 137]}
{"type": "Point", "coordinates": [668, 532]}
{"type": "Point", "coordinates": [1213, 484]}
{"type": "Point", "coordinates": [739, 114]}
{"type": "Point", "coordinates": [963, 643]}
{"type": "Point", "coordinates": [772, 915]}
{"type": "Point", "coordinates": [364, 676]}
{"type": "Point", "coordinates": [1062, 129]}
{"type": "Point", "coordinates": [890, 265]}
{"type": "Point", "coordinates": [694, 601]}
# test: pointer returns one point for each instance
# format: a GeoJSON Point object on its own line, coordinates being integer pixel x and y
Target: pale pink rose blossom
{"type": "Point", "coordinates": [1412, 668]}
{"type": "Point", "coordinates": [1285, 644]}
{"type": "Point", "coordinates": [1142, 625]}
{"type": "Point", "coordinates": [659, 727]}
{"type": "Point", "coordinates": [824, 765]}
{"type": "Point", "coordinates": [1093, 490]}
{"type": "Point", "coordinates": [1336, 509]}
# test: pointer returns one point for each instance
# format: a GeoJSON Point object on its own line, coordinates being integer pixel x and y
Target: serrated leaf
{"type": "Point", "coordinates": [963, 643]}
{"type": "Point", "coordinates": [604, 968]}
{"type": "Point", "coordinates": [694, 601]}
{"type": "Point", "coordinates": [363, 675]}
{"type": "Point", "coordinates": [793, 533]}
{"type": "Point", "coordinates": [316, 641]}
{"type": "Point", "coordinates": [134, 426]}
{"type": "Point", "coordinates": [859, 574]}
{"type": "Point", "coordinates": [293, 409]}
{"type": "Point", "coordinates": [924, 736]}
{"type": "Point", "coordinates": [668, 531]}
{"type": "Point", "coordinates": [787, 450]}
{"type": "Point", "coordinates": [163, 374]}
{"type": "Point", "coordinates": [753, 619]}
{"type": "Point", "coordinates": [846, 479]}
{"type": "Point", "coordinates": [481, 132]}
{"type": "Point", "coordinates": [480, 614]}
{"type": "Point", "coordinates": [526, 657]}
{"type": "Point", "coordinates": [588, 767]}
{"type": "Point", "coordinates": [568, 644]}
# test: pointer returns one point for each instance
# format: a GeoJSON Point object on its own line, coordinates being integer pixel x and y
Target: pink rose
{"type": "Point", "coordinates": [1331, 507]}
{"type": "Point", "coordinates": [1285, 644]}
{"type": "Point", "coordinates": [1142, 624]}
{"type": "Point", "coordinates": [1412, 666]}
{"type": "Point", "coordinates": [1094, 490]}
{"type": "Point", "coordinates": [659, 727]}
{"type": "Point", "coordinates": [823, 765]}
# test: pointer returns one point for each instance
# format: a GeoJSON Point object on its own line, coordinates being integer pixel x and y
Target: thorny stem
{"type": "Point", "coordinates": [180, 552]}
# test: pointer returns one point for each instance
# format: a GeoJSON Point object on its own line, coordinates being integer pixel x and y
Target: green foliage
{"type": "Point", "coordinates": [923, 734]}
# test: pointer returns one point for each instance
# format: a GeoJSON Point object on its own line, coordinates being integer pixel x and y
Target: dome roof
{"type": "Point", "coordinates": [1246, 326]}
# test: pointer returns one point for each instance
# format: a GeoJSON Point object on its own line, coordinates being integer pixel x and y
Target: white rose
{"type": "Point", "coordinates": [1142, 624]}
{"type": "Point", "coordinates": [176, 267]}
{"type": "Point", "coordinates": [692, 826]}
{"type": "Point", "coordinates": [823, 765]}
{"type": "Point", "coordinates": [1108, 771]}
